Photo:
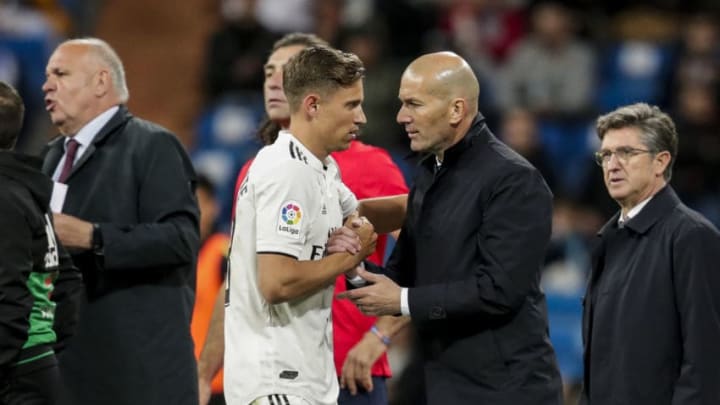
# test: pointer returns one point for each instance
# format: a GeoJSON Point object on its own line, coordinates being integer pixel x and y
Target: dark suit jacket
{"type": "Point", "coordinates": [471, 250]}
{"type": "Point", "coordinates": [133, 342]}
{"type": "Point", "coordinates": [651, 323]}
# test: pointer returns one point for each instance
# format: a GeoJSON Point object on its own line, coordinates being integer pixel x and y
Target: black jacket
{"type": "Point", "coordinates": [133, 343]}
{"type": "Point", "coordinates": [471, 251]}
{"type": "Point", "coordinates": [30, 257]}
{"type": "Point", "coordinates": [651, 322]}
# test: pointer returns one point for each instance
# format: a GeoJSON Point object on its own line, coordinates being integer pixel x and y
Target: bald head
{"type": "Point", "coordinates": [439, 96]}
{"type": "Point", "coordinates": [104, 55]}
{"type": "Point", "coordinates": [446, 75]}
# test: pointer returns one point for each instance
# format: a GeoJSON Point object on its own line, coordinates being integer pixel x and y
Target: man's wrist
{"type": "Point", "coordinates": [385, 339]}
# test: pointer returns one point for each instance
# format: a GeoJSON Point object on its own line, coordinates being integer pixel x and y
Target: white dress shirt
{"type": "Point", "coordinates": [84, 137]}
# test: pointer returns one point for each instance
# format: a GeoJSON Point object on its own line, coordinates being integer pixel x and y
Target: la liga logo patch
{"type": "Point", "coordinates": [291, 214]}
{"type": "Point", "coordinates": [290, 218]}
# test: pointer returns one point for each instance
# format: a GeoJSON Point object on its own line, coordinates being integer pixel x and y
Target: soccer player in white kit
{"type": "Point", "coordinates": [280, 282]}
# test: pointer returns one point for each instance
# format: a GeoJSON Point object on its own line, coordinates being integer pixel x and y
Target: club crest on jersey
{"type": "Point", "coordinates": [290, 219]}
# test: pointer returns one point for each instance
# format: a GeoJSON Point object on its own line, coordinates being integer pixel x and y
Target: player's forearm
{"type": "Point", "coordinates": [211, 357]}
{"type": "Point", "coordinates": [385, 213]}
{"type": "Point", "coordinates": [390, 325]}
{"type": "Point", "coordinates": [283, 278]}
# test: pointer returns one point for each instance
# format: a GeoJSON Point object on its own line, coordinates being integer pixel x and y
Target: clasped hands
{"type": "Point", "coordinates": [382, 295]}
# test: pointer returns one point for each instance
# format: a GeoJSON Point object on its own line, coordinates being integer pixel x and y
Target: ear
{"type": "Point", "coordinates": [310, 104]}
{"type": "Point", "coordinates": [102, 83]}
{"type": "Point", "coordinates": [661, 162]}
{"type": "Point", "coordinates": [458, 110]}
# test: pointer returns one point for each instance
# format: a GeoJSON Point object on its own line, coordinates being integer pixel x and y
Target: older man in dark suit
{"type": "Point", "coordinates": [131, 221]}
{"type": "Point", "coordinates": [651, 321]}
{"type": "Point", "coordinates": [469, 255]}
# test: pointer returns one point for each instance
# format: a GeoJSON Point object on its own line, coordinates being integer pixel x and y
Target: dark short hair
{"type": "Point", "coordinates": [12, 111]}
{"type": "Point", "coordinates": [657, 129]}
{"type": "Point", "coordinates": [320, 69]}
{"type": "Point", "coordinates": [299, 38]}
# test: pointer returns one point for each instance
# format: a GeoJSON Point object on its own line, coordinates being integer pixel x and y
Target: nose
{"type": "Point", "coordinates": [402, 116]}
{"type": "Point", "coordinates": [613, 163]}
{"type": "Point", "coordinates": [360, 117]}
{"type": "Point", "coordinates": [275, 81]}
{"type": "Point", "coordinates": [47, 86]}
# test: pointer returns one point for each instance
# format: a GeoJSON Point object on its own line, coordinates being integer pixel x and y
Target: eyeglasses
{"type": "Point", "coordinates": [623, 155]}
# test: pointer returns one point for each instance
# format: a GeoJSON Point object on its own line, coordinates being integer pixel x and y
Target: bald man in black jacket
{"type": "Point", "coordinates": [467, 263]}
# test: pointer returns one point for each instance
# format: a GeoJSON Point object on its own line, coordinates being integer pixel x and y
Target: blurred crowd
{"type": "Point", "coordinates": [547, 69]}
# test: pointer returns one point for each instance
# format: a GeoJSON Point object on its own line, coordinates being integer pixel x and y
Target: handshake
{"type": "Point", "coordinates": [381, 295]}
{"type": "Point", "coordinates": [356, 237]}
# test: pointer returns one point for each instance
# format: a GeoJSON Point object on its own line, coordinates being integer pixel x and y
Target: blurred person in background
{"type": "Point", "coordinates": [698, 61]}
{"type": "Point", "coordinates": [550, 72]}
{"type": "Point", "coordinates": [211, 269]}
{"type": "Point", "coordinates": [519, 131]}
{"type": "Point", "coordinates": [696, 169]}
{"type": "Point", "coordinates": [651, 318]}
{"type": "Point", "coordinates": [130, 221]}
{"type": "Point", "coordinates": [234, 57]}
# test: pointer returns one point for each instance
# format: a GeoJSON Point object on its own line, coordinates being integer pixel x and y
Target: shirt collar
{"type": "Point", "coordinates": [87, 134]}
{"type": "Point", "coordinates": [634, 211]}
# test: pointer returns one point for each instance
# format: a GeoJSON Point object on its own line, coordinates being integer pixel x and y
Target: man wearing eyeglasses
{"type": "Point", "coordinates": [651, 322]}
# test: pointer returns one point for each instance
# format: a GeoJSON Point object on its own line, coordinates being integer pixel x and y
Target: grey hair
{"type": "Point", "coordinates": [107, 55]}
{"type": "Point", "coordinates": [657, 129]}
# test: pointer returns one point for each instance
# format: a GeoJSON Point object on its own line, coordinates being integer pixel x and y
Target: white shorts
{"type": "Point", "coordinates": [280, 399]}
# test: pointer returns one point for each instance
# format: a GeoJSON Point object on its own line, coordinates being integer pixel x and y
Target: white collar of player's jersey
{"type": "Point", "coordinates": [300, 152]}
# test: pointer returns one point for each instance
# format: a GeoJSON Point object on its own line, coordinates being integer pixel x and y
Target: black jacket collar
{"type": "Point", "coordinates": [658, 206]}
{"type": "Point", "coordinates": [453, 153]}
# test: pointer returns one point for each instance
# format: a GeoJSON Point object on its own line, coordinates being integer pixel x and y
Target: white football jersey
{"type": "Point", "coordinates": [288, 204]}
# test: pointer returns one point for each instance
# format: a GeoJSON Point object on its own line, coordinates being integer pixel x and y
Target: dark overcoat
{"type": "Point", "coordinates": [471, 250]}
{"type": "Point", "coordinates": [651, 324]}
{"type": "Point", "coordinates": [133, 343]}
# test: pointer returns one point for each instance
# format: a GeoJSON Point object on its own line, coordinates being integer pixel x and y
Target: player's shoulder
{"type": "Point", "coordinates": [281, 158]}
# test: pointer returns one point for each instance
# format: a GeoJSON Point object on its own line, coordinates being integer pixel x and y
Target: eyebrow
{"type": "Point", "coordinates": [622, 147]}
{"type": "Point", "coordinates": [409, 100]}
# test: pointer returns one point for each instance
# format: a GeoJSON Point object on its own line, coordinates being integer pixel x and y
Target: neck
{"type": "Point", "coordinates": [96, 110]}
{"type": "Point", "coordinates": [458, 134]}
{"type": "Point", "coordinates": [627, 206]}
{"type": "Point", "coordinates": [309, 138]}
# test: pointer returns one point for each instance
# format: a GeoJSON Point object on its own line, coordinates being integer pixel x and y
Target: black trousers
{"type": "Point", "coordinates": [37, 387]}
